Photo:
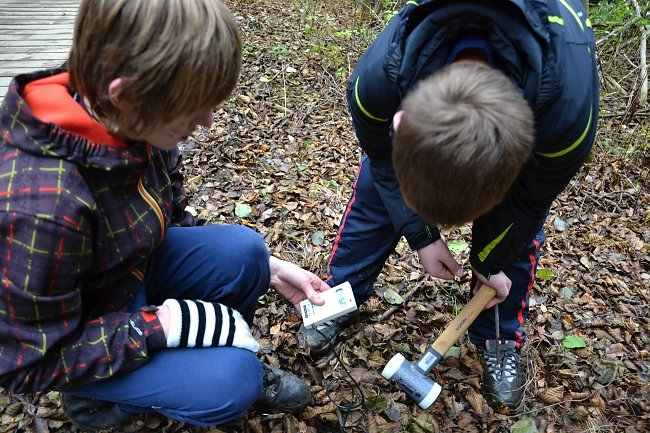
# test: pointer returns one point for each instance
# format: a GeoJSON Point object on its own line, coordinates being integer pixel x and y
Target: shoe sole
{"type": "Point", "coordinates": [287, 409]}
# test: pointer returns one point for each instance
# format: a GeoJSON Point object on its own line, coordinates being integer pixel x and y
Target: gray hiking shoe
{"type": "Point", "coordinates": [503, 384]}
{"type": "Point", "coordinates": [283, 392]}
{"type": "Point", "coordinates": [320, 339]}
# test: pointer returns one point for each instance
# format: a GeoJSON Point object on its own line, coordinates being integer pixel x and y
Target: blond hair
{"type": "Point", "coordinates": [174, 57]}
{"type": "Point", "coordinates": [465, 134]}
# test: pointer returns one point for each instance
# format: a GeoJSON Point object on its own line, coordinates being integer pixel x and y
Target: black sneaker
{"type": "Point", "coordinates": [283, 392]}
{"type": "Point", "coordinates": [503, 384]}
{"type": "Point", "coordinates": [320, 339]}
{"type": "Point", "coordinates": [92, 415]}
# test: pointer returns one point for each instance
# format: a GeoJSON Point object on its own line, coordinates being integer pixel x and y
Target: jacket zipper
{"type": "Point", "coordinates": [152, 202]}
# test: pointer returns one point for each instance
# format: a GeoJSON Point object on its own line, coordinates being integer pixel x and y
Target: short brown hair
{"type": "Point", "coordinates": [174, 57]}
{"type": "Point", "coordinates": [465, 134]}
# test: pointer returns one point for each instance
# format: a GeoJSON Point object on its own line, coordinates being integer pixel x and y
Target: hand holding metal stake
{"type": "Point", "coordinates": [412, 378]}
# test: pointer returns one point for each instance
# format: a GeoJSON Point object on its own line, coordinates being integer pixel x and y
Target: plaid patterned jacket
{"type": "Point", "coordinates": [80, 212]}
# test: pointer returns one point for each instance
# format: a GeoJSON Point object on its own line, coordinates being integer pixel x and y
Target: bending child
{"type": "Point", "coordinates": [493, 107]}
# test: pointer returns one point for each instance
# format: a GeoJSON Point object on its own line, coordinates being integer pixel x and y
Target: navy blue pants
{"type": "Point", "coordinates": [366, 238]}
{"type": "Point", "coordinates": [207, 386]}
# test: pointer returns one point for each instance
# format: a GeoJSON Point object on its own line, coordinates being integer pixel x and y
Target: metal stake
{"type": "Point", "coordinates": [498, 338]}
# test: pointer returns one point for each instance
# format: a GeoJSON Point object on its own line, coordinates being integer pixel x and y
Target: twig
{"type": "Point", "coordinates": [284, 87]}
{"type": "Point", "coordinates": [645, 30]}
{"type": "Point", "coordinates": [281, 109]}
{"type": "Point", "coordinates": [406, 297]}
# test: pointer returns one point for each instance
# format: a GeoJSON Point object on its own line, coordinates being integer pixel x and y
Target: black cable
{"type": "Point", "coordinates": [344, 408]}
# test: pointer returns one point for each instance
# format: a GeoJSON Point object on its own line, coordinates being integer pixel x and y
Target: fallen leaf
{"type": "Point", "coordinates": [458, 246]}
{"type": "Point", "coordinates": [392, 297]}
{"type": "Point", "coordinates": [526, 425]}
{"type": "Point", "coordinates": [242, 210]}
{"type": "Point", "coordinates": [544, 274]}
{"type": "Point", "coordinates": [551, 395]}
{"type": "Point", "coordinates": [477, 401]}
{"type": "Point", "coordinates": [573, 342]}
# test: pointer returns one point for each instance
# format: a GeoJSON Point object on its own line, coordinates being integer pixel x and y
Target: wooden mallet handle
{"type": "Point", "coordinates": [456, 328]}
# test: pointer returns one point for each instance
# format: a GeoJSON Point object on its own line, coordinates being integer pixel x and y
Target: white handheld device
{"type": "Point", "coordinates": [339, 300]}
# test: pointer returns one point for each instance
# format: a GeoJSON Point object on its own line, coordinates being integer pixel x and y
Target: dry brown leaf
{"type": "Point", "coordinates": [476, 400]}
{"type": "Point", "coordinates": [551, 395]}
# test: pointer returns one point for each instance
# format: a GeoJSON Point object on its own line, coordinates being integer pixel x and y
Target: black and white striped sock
{"type": "Point", "coordinates": [207, 324]}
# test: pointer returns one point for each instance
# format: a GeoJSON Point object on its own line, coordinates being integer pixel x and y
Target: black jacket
{"type": "Point", "coordinates": [545, 47]}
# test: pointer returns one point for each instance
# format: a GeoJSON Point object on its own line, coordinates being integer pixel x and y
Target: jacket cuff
{"type": "Point", "coordinates": [424, 237]}
{"type": "Point", "coordinates": [150, 326]}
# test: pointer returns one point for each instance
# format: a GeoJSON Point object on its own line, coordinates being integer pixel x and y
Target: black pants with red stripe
{"type": "Point", "coordinates": [366, 238]}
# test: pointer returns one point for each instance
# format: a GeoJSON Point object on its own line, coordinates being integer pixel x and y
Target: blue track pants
{"type": "Point", "coordinates": [207, 386]}
{"type": "Point", "coordinates": [366, 238]}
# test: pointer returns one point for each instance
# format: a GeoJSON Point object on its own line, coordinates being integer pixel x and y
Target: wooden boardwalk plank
{"type": "Point", "coordinates": [34, 34]}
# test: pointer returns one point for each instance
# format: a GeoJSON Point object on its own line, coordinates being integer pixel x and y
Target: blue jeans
{"type": "Point", "coordinates": [366, 238]}
{"type": "Point", "coordinates": [207, 386]}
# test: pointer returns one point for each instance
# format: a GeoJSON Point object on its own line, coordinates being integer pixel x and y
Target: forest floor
{"type": "Point", "coordinates": [281, 157]}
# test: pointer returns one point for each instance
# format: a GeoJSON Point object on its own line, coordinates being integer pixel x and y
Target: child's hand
{"type": "Point", "coordinates": [438, 261]}
{"type": "Point", "coordinates": [500, 282]}
{"type": "Point", "coordinates": [295, 283]}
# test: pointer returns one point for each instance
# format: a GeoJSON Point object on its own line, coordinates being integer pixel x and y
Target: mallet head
{"type": "Point", "coordinates": [412, 380]}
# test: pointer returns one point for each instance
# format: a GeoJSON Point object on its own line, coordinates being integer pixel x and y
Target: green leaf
{"type": "Point", "coordinates": [544, 274]}
{"type": "Point", "coordinates": [392, 297]}
{"type": "Point", "coordinates": [586, 262]}
{"type": "Point", "coordinates": [242, 210]}
{"type": "Point", "coordinates": [318, 237]}
{"type": "Point", "coordinates": [376, 403]}
{"type": "Point", "coordinates": [453, 352]}
{"type": "Point", "coordinates": [526, 425]}
{"type": "Point", "coordinates": [559, 224]}
{"type": "Point", "coordinates": [565, 292]}
{"type": "Point", "coordinates": [457, 246]}
{"type": "Point", "coordinates": [573, 342]}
